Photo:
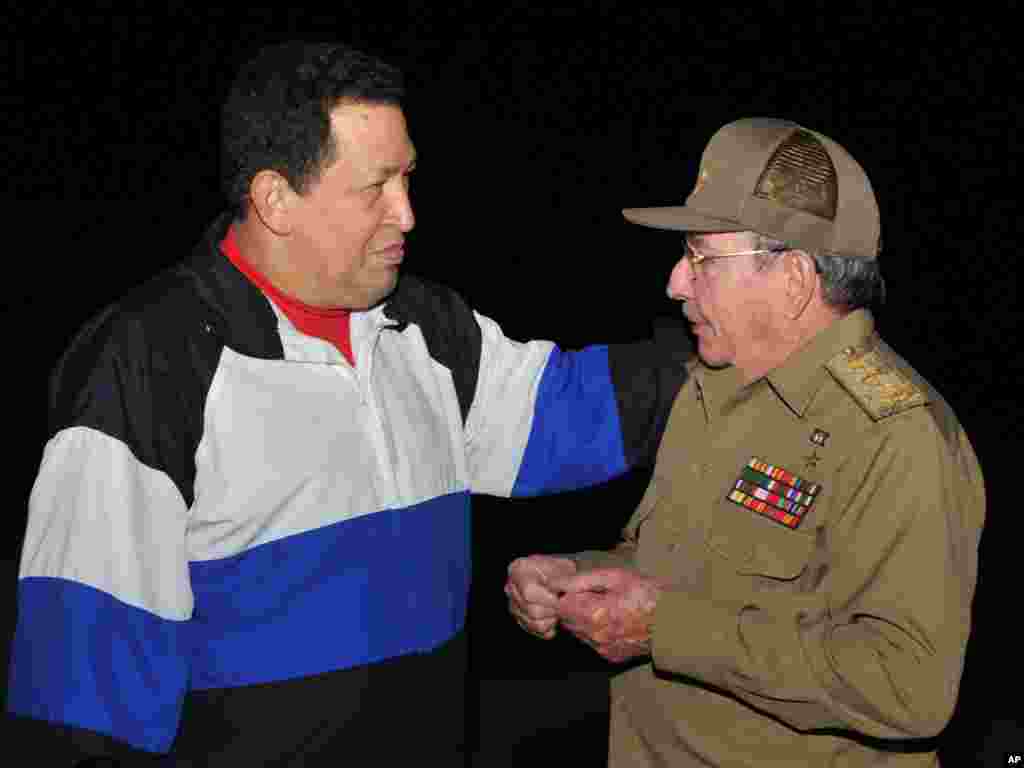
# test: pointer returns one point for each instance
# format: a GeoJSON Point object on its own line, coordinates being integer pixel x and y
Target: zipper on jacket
{"type": "Point", "coordinates": [364, 379]}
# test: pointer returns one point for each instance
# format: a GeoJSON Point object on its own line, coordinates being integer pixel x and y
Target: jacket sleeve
{"type": "Point", "coordinates": [545, 420]}
{"type": "Point", "coordinates": [99, 655]}
{"type": "Point", "coordinates": [878, 646]}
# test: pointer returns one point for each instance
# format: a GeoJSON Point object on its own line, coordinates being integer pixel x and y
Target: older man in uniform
{"type": "Point", "coordinates": [795, 586]}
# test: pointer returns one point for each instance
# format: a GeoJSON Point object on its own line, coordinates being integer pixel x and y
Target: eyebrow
{"type": "Point", "coordinates": [387, 171]}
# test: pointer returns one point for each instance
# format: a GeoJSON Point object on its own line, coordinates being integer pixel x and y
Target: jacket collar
{"type": "Point", "coordinates": [239, 312]}
{"type": "Point", "coordinates": [800, 377]}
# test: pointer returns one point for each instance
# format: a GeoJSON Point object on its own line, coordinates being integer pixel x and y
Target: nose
{"type": "Point", "coordinates": [680, 282]}
{"type": "Point", "coordinates": [401, 207]}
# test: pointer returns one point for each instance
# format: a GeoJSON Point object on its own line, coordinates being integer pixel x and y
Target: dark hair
{"type": "Point", "coordinates": [848, 283]}
{"type": "Point", "coordinates": [277, 113]}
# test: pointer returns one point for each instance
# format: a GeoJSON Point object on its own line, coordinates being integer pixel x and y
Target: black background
{"type": "Point", "coordinates": [534, 127]}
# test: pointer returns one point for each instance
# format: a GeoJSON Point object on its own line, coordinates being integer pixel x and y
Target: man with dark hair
{"type": "Point", "coordinates": [795, 586]}
{"type": "Point", "coordinates": [248, 539]}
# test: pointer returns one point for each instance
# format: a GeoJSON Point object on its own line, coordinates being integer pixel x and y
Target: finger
{"type": "Point", "coordinates": [545, 630]}
{"type": "Point", "coordinates": [598, 580]}
{"type": "Point", "coordinates": [521, 576]}
{"type": "Point", "coordinates": [512, 591]}
{"type": "Point", "coordinates": [520, 565]}
{"type": "Point", "coordinates": [542, 629]}
{"type": "Point", "coordinates": [557, 583]}
{"type": "Point", "coordinates": [538, 593]}
{"type": "Point", "coordinates": [516, 603]}
{"type": "Point", "coordinates": [540, 612]}
{"type": "Point", "coordinates": [533, 586]}
{"type": "Point", "coordinates": [534, 568]}
{"type": "Point", "coordinates": [533, 595]}
{"type": "Point", "coordinates": [532, 613]}
{"type": "Point", "coordinates": [523, 597]}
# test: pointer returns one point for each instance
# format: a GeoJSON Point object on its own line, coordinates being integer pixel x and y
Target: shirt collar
{"type": "Point", "coordinates": [800, 377]}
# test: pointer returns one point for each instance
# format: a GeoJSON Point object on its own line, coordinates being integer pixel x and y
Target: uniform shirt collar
{"type": "Point", "coordinates": [797, 380]}
{"type": "Point", "coordinates": [800, 377]}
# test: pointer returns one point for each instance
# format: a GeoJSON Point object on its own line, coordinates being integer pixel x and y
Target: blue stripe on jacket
{"type": "Point", "coordinates": [355, 592]}
{"type": "Point", "coordinates": [576, 437]}
{"type": "Point", "coordinates": [89, 660]}
{"type": "Point", "coordinates": [378, 586]}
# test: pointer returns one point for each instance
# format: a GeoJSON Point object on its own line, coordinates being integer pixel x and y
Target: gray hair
{"type": "Point", "coordinates": [847, 283]}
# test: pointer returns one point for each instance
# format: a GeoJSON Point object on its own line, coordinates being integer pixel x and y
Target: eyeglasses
{"type": "Point", "coordinates": [695, 257]}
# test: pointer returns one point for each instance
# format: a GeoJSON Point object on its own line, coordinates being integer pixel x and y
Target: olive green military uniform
{"type": "Point", "coordinates": [815, 632]}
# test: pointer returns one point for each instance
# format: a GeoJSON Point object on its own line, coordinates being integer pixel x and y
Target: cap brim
{"type": "Point", "coordinates": [681, 219]}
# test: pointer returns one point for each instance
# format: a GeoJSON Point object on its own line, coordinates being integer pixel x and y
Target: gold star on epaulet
{"type": "Point", "coordinates": [875, 384]}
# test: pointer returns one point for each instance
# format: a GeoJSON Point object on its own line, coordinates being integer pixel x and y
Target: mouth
{"type": "Point", "coordinates": [391, 254]}
{"type": "Point", "coordinates": [699, 325]}
{"type": "Point", "coordinates": [692, 317]}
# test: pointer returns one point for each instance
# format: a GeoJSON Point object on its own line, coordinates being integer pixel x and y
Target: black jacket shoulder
{"type": "Point", "coordinates": [448, 326]}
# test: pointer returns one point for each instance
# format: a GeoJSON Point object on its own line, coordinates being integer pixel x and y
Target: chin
{"type": "Point", "coordinates": [715, 364]}
{"type": "Point", "coordinates": [713, 358]}
{"type": "Point", "coordinates": [376, 295]}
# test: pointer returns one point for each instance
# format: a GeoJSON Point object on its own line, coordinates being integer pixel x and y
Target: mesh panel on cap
{"type": "Point", "coordinates": [800, 175]}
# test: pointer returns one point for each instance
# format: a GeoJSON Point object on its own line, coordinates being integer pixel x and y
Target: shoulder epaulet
{"type": "Point", "coordinates": [874, 382]}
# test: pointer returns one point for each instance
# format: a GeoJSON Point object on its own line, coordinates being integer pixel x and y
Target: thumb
{"type": "Point", "coordinates": [598, 580]}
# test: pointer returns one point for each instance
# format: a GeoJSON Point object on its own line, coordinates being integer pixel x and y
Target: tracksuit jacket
{"type": "Point", "coordinates": [217, 485]}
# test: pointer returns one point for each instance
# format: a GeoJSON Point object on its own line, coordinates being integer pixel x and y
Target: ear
{"type": "Point", "coordinates": [272, 198]}
{"type": "Point", "coordinates": [801, 282]}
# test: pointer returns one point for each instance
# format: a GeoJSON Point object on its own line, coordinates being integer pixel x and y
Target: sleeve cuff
{"type": "Point", "coordinates": [592, 559]}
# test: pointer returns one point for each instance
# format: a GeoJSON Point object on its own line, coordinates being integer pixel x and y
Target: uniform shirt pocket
{"type": "Point", "coordinates": [756, 548]}
{"type": "Point", "coordinates": [783, 555]}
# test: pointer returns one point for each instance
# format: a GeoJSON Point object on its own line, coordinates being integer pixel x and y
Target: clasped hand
{"type": "Point", "coordinates": [609, 609]}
